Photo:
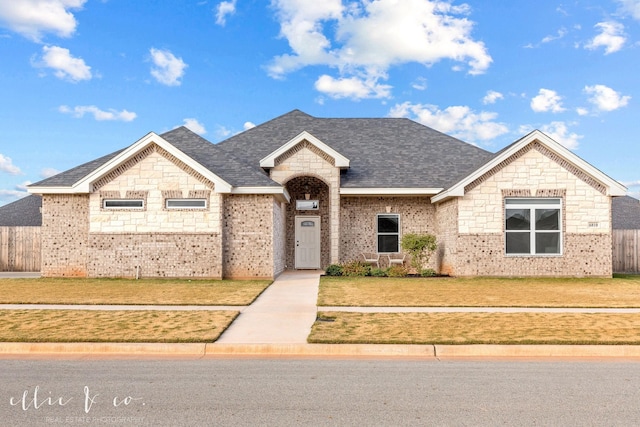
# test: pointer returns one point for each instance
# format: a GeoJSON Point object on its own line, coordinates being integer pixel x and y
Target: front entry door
{"type": "Point", "coordinates": [307, 242]}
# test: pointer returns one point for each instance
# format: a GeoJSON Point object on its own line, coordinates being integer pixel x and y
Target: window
{"type": "Point", "coordinates": [533, 226]}
{"type": "Point", "coordinates": [388, 232]}
{"type": "Point", "coordinates": [123, 204]}
{"type": "Point", "coordinates": [186, 203]}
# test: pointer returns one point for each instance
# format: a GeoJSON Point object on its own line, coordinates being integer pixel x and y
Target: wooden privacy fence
{"type": "Point", "coordinates": [626, 255]}
{"type": "Point", "coordinates": [20, 249]}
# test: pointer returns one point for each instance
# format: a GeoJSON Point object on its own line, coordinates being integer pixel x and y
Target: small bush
{"type": "Point", "coordinates": [428, 272]}
{"type": "Point", "coordinates": [378, 272]}
{"type": "Point", "coordinates": [334, 270]}
{"type": "Point", "coordinates": [397, 271]}
{"type": "Point", "coordinates": [356, 268]}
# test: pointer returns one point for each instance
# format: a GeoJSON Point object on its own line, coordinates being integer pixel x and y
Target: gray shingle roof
{"type": "Point", "coordinates": [625, 213]}
{"type": "Point", "coordinates": [24, 212]}
{"type": "Point", "coordinates": [218, 161]}
{"type": "Point", "coordinates": [384, 153]}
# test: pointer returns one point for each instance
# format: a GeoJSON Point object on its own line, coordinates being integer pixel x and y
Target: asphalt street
{"type": "Point", "coordinates": [312, 392]}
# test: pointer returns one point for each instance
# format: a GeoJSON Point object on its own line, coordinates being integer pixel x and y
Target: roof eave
{"type": "Point", "coordinates": [378, 191]}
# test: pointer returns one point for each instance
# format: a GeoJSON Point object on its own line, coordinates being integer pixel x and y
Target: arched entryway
{"type": "Point", "coordinates": [309, 208]}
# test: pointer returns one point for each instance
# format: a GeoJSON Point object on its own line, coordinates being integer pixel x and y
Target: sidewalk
{"type": "Point", "coordinates": [283, 314]}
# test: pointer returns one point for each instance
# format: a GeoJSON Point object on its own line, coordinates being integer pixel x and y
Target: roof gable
{"type": "Point", "coordinates": [97, 170]}
{"type": "Point", "coordinates": [560, 154]}
{"type": "Point", "coordinates": [339, 160]}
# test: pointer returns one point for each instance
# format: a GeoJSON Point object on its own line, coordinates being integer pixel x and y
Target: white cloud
{"type": "Point", "coordinates": [491, 97]}
{"type": "Point", "coordinates": [12, 194]}
{"type": "Point", "coordinates": [65, 65]}
{"type": "Point", "coordinates": [560, 34]}
{"type": "Point", "coordinates": [167, 69]}
{"type": "Point", "coordinates": [547, 100]}
{"type": "Point", "coordinates": [458, 121]}
{"type": "Point", "coordinates": [611, 37]}
{"type": "Point", "coordinates": [224, 9]}
{"type": "Point", "coordinates": [48, 172]}
{"type": "Point", "coordinates": [98, 114]}
{"type": "Point", "coordinates": [582, 111]}
{"type": "Point", "coordinates": [352, 87]}
{"type": "Point", "coordinates": [23, 186]}
{"type": "Point", "coordinates": [33, 18]}
{"type": "Point", "coordinates": [605, 98]}
{"type": "Point", "coordinates": [631, 7]}
{"type": "Point", "coordinates": [195, 126]}
{"type": "Point", "coordinates": [558, 131]}
{"type": "Point", "coordinates": [248, 125]}
{"type": "Point", "coordinates": [420, 84]}
{"type": "Point", "coordinates": [365, 38]}
{"type": "Point", "coordinates": [6, 165]}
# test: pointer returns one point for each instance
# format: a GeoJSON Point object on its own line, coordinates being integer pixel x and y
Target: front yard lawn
{"type": "Point", "coordinates": [125, 291]}
{"type": "Point", "coordinates": [621, 291]}
{"type": "Point", "coordinates": [113, 326]}
{"type": "Point", "coordinates": [476, 328]}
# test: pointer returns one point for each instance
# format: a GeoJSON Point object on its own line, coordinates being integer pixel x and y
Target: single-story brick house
{"type": "Point", "coordinates": [300, 192]}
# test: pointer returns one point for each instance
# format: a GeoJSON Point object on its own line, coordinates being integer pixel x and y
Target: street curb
{"type": "Point", "coordinates": [134, 349]}
{"type": "Point", "coordinates": [365, 350]}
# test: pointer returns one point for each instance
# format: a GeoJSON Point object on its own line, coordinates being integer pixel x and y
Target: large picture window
{"type": "Point", "coordinates": [388, 232]}
{"type": "Point", "coordinates": [533, 226]}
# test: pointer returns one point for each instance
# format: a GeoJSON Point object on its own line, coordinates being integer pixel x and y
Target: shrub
{"type": "Point", "coordinates": [334, 270]}
{"type": "Point", "coordinates": [427, 272]}
{"type": "Point", "coordinates": [420, 247]}
{"type": "Point", "coordinates": [397, 271]}
{"type": "Point", "coordinates": [378, 272]}
{"type": "Point", "coordinates": [356, 268]}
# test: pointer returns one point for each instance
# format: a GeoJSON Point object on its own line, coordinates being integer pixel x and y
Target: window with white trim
{"type": "Point", "coordinates": [388, 233]}
{"type": "Point", "coordinates": [123, 204]}
{"type": "Point", "coordinates": [533, 226]}
{"type": "Point", "coordinates": [186, 203]}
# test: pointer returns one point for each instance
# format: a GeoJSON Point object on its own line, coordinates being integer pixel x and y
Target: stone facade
{"type": "Point", "coordinates": [586, 220]}
{"type": "Point", "coordinates": [447, 234]}
{"type": "Point", "coordinates": [248, 236]}
{"type": "Point", "coordinates": [279, 237]}
{"type": "Point", "coordinates": [65, 235]}
{"type": "Point", "coordinates": [359, 222]}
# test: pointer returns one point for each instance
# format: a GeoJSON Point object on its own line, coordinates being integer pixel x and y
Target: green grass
{"type": "Point", "coordinates": [476, 328]}
{"type": "Point", "coordinates": [621, 291]}
{"type": "Point", "coordinates": [126, 291]}
{"type": "Point", "coordinates": [113, 326]}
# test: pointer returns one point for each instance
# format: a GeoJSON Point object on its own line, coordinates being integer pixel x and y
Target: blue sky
{"type": "Point", "coordinates": [83, 78]}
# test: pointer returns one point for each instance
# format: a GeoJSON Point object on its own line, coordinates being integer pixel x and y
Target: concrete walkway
{"type": "Point", "coordinates": [282, 314]}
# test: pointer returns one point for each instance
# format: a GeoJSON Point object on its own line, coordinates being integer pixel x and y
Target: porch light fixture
{"type": "Point", "coordinates": [307, 192]}
{"type": "Point", "coordinates": [388, 209]}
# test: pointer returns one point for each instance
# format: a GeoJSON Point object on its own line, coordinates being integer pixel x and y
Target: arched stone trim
{"type": "Point", "coordinates": [306, 174]}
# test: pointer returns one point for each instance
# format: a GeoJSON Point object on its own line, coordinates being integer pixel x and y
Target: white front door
{"type": "Point", "coordinates": [307, 242]}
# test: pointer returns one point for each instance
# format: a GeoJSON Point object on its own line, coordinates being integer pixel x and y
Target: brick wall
{"type": "Point", "coordinates": [248, 236]}
{"type": "Point", "coordinates": [584, 255]}
{"type": "Point", "coordinates": [447, 234]}
{"type": "Point", "coordinates": [359, 216]}
{"type": "Point", "coordinates": [157, 255]}
{"type": "Point", "coordinates": [279, 237]}
{"type": "Point", "coordinates": [65, 230]}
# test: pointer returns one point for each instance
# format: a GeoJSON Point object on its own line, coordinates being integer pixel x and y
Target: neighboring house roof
{"type": "Point", "coordinates": [383, 152]}
{"type": "Point", "coordinates": [24, 212]}
{"type": "Point", "coordinates": [625, 213]}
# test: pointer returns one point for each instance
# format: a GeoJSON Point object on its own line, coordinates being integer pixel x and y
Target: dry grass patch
{"type": "Point", "coordinates": [113, 326]}
{"type": "Point", "coordinates": [621, 291]}
{"type": "Point", "coordinates": [124, 291]}
{"type": "Point", "coordinates": [476, 328]}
